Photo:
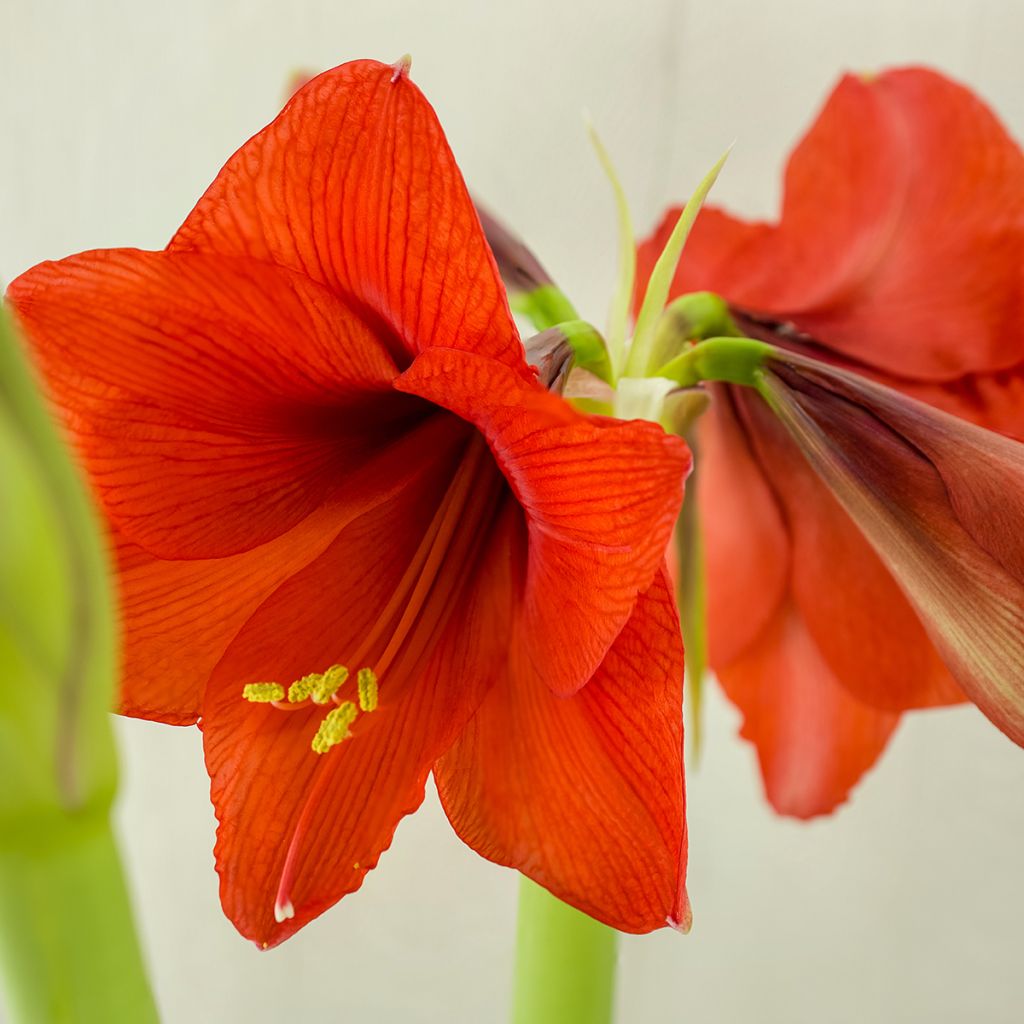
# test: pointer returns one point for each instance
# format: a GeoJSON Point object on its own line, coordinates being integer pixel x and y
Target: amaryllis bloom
{"type": "Point", "coordinates": [358, 540]}
{"type": "Point", "coordinates": [899, 255]}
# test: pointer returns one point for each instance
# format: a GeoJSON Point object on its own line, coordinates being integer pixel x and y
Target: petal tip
{"type": "Point", "coordinates": [681, 917]}
{"type": "Point", "coordinates": [401, 67]}
{"type": "Point", "coordinates": [683, 923]}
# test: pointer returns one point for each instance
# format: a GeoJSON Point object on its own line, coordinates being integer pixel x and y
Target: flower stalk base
{"type": "Point", "coordinates": [565, 963]}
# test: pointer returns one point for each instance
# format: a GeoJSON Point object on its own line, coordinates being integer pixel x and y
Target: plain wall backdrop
{"type": "Point", "coordinates": [905, 906]}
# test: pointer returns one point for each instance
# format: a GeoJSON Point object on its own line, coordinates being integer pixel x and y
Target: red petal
{"type": "Point", "coordinates": [217, 402]}
{"type": "Point", "coordinates": [746, 547]}
{"type": "Point", "coordinates": [585, 794]}
{"type": "Point", "coordinates": [994, 401]}
{"type": "Point", "coordinates": [600, 497]}
{"type": "Point", "coordinates": [814, 740]}
{"type": "Point", "coordinates": [354, 185]}
{"type": "Point", "coordinates": [901, 240]}
{"type": "Point", "coordinates": [860, 620]}
{"type": "Point", "coordinates": [178, 617]}
{"type": "Point", "coordinates": [715, 255]}
{"type": "Point", "coordinates": [262, 768]}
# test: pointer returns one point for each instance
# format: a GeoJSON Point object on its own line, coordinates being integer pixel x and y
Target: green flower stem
{"type": "Point", "coordinates": [691, 598]}
{"type": "Point", "coordinates": [565, 963]}
{"type": "Point", "coordinates": [69, 952]}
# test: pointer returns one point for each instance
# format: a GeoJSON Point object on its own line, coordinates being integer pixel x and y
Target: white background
{"type": "Point", "coordinates": [908, 904]}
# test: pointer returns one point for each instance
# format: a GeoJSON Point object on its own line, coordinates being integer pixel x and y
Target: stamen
{"type": "Point", "coordinates": [263, 693]}
{"type": "Point", "coordinates": [328, 684]}
{"type": "Point", "coordinates": [283, 911]}
{"type": "Point", "coordinates": [367, 682]}
{"type": "Point", "coordinates": [334, 729]}
{"type": "Point", "coordinates": [302, 688]}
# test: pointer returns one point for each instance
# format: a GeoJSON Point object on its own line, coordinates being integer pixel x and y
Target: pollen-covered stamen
{"type": "Point", "coordinates": [263, 693]}
{"type": "Point", "coordinates": [328, 684]}
{"type": "Point", "coordinates": [334, 729]}
{"type": "Point", "coordinates": [367, 683]}
{"type": "Point", "coordinates": [302, 689]}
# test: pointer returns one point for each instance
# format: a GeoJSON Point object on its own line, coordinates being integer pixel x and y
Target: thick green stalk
{"type": "Point", "coordinates": [68, 951]}
{"type": "Point", "coordinates": [565, 963]}
{"type": "Point", "coordinates": [691, 598]}
{"type": "Point", "coordinates": [66, 932]}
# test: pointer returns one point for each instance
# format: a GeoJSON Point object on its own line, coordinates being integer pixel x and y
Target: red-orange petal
{"type": "Point", "coordinates": [746, 546]}
{"type": "Point", "coordinates": [217, 401]}
{"type": "Point", "coordinates": [355, 186]}
{"type": "Point", "coordinates": [994, 401]}
{"type": "Point", "coordinates": [178, 617]}
{"type": "Point", "coordinates": [854, 610]}
{"type": "Point", "coordinates": [340, 809]}
{"type": "Point", "coordinates": [901, 238]}
{"type": "Point", "coordinates": [584, 794]}
{"type": "Point", "coordinates": [814, 740]}
{"type": "Point", "coordinates": [600, 497]}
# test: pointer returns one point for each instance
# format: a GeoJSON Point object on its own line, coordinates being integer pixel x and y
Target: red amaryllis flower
{"type": "Point", "coordinates": [899, 254]}
{"type": "Point", "coordinates": [338, 490]}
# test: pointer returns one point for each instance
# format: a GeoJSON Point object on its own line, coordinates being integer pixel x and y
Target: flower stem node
{"type": "Point", "coordinates": [334, 729]}
{"type": "Point", "coordinates": [263, 693]}
{"type": "Point", "coordinates": [367, 683]}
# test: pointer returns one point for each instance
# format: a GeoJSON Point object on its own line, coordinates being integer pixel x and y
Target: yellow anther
{"type": "Point", "coordinates": [334, 728]}
{"type": "Point", "coordinates": [302, 688]}
{"type": "Point", "coordinates": [328, 684]}
{"type": "Point", "coordinates": [367, 682]}
{"type": "Point", "coordinates": [263, 693]}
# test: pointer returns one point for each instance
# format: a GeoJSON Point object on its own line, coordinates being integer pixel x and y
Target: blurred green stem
{"type": "Point", "coordinates": [69, 947]}
{"type": "Point", "coordinates": [565, 963]}
{"type": "Point", "coordinates": [691, 597]}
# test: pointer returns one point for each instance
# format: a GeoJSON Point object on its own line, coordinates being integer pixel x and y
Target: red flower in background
{"type": "Point", "coordinates": [322, 453]}
{"type": "Point", "coordinates": [899, 254]}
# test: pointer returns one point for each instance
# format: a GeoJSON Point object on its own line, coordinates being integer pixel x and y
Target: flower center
{"type": "Point", "coordinates": [412, 616]}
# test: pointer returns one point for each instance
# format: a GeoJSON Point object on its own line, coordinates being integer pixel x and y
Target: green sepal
{"type": "Point", "coordinates": [640, 358]}
{"type": "Point", "coordinates": [546, 306]}
{"type": "Point", "coordinates": [589, 349]}
{"type": "Point", "coordinates": [618, 313]}
{"type": "Point", "coordinates": [692, 317]}
{"type": "Point", "coordinates": [731, 360]}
